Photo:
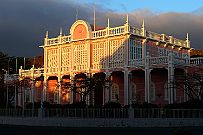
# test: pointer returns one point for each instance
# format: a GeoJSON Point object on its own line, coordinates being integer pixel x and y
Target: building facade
{"type": "Point", "coordinates": [141, 64]}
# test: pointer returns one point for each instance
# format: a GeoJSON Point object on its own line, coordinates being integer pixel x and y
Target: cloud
{"type": "Point", "coordinates": [23, 23]}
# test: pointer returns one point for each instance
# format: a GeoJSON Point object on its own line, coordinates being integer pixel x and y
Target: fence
{"type": "Point", "coordinates": [168, 113]}
{"type": "Point", "coordinates": [104, 113]}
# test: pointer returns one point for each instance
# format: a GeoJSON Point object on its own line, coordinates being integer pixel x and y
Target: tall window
{"type": "Point", "coordinates": [115, 92]}
{"type": "Point", "coordinates": [152, 95]}
{"type": "Point", "coordinates": [135, 49]}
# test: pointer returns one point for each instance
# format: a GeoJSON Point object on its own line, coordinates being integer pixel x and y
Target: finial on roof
{"type": "Point", "coordinates": [108, 22]}
{"type": "Point", "coordinates": [187, 37]}
{"type": "Point", "coordinates": [143, 28]}
{"type": "Point", "coordinates": [187, 41]}
{"type": "Point", "coordinates": [143, 25]}
{"type": "Point", "coordinates": [127, 19]}
{"type": "Point", "coordinates": [47, 34]}
{"type": "Point", "coordinates": [94, 19]}
{"type": "Point", "coordinates": [61, 31]}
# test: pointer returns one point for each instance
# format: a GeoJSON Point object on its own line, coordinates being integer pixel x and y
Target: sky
{"type": "Point", "coordinates": [154, 5]}
{"type": "Point", "coordinates": [23, 23]}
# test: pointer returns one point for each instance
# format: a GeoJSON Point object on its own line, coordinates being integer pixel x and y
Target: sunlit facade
{"type": "Point", "coordinates": [141, 64]}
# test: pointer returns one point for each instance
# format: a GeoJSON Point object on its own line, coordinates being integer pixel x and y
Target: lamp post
{"type": "Point", "coordinates": [41, 111]}
{"type": "Point", "coordinates": [42, 91]}
{"type": "Point", "coordinates": [6, 82]}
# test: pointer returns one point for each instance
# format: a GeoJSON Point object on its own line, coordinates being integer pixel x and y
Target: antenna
{"type": "Point", "coordinates": [94, 19]}
{"type": "Point", "coordinates": [76, 15]}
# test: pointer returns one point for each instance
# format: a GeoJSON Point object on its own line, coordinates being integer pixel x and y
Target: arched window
{"type": "Point", "coordinates": [166, 91]}
{"type": "Point", "coordinates": [152, 96]}
{"type": "Point", "coordinates": [133, 90]}
{"type": "Point", "coordinates": [115, 92]}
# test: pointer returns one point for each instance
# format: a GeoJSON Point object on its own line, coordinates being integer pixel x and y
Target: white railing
{"type": "Point", "coordinates": [180, 61]}
{"type": "Point", "coordinates": [196, 61]}
{"type": "Point", "coordinates": [62, 39]}
{"type": "Point", "coordinates": [153, 35]}
{"type": "Point", "coordinates": [158, 60]}
{"type": "Point", "coordinates": [53, 41]}
{"type": "Point", "coordinates": [99, 34]}
{"type": "Point", "coordinates": [136, 31]}
{"type": "Point", "coordinates": [66, 39]}
{"type": "Point", "coordinates": [116, 31]}
{"type": "Point", "coordinates": [165, 38]}
{"type": "Point", "coordinates": [179, 42]}
{"type": "Point", "coordinates": [26, 73]}
{"type": "Point", "coordinates": [29, 73]}
{"type": "Point", "coordinates": [52, 70]}
{"type": "Point", "coordinates": [38, 71]}
{"type": "Point", "coordinates": [136, 62]}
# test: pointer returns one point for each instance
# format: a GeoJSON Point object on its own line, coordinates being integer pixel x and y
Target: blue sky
{"type": "Point", "coordinates": [154, 5]}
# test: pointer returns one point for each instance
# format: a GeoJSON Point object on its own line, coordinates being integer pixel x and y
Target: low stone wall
{"type": "Point", "coordinates": [101, 122]}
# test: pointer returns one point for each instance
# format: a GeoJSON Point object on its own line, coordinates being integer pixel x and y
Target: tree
{"type": "Point", "coordinates": [8, 88]}
{"type": "Point", "coordinates": [192, 85]}
{"type": "Point", "coordinates": [38, 61]}
{"type": "Point", "coordinates": [84, 85]}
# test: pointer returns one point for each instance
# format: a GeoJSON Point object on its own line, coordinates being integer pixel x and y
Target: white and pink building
{"type": "Point", "coordinates": [141, 64]}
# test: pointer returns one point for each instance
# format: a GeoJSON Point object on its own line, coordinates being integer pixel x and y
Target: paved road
{"type": "Point", "coordinates": [28, 130]}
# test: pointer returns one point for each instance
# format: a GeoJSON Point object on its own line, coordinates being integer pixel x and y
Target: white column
{"type": "Point", "coordinates": [126, 86]}
{"type": "Point", "coordinates": [33, 86]}
{"type": "Point", "coordinates": [45, 75]}
{"type": "Point", "coordinates": [59, 73]}
{"type": "Point", "coordinates": [107, 90]}
{"type": "Point", "coordinates": [144, 50]}
{"type": "Point", "coordinates": [59, 90]}
{"type": "Point", "coordinates": [171, 78]}
{"type": "Point", "coordinates": [45, 89]}
{"type": "Point", "coordinates": [130, 88]}
{"type": "Point", "coordinates": [186, 98]}
{"type": "Point", "coordinates": [147, 80]}
{"type": "Point", "coordinates": [71, 92]}
{"type": "Point", "coordinates": [88, 56]}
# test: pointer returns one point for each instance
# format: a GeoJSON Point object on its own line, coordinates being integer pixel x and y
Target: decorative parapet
{"type": "Point", "coordinates": [55, 41]}
{"type": "Point", "coordinates": [29, 73]}
{"type": "Point", "coordinates": [120, 30]}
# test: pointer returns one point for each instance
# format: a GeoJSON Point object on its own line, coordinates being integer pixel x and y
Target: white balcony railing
{"type": "Point", "coordinates": [196, 61]}
{"type": "Point", "coordinates": [116, 31]}
{"type": "Point", "coordinates": [158, 60]}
